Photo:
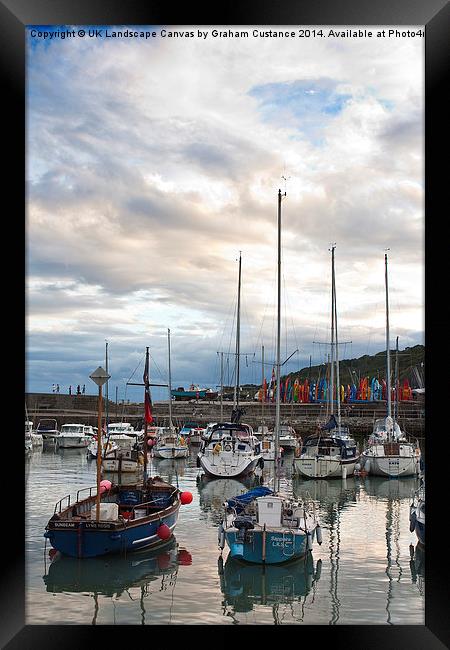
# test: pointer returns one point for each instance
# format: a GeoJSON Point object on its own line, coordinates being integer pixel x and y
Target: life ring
{"type": "Point", "coordinates": [227, 447]}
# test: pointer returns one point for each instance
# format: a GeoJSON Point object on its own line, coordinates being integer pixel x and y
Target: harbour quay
{"type": "Point", "coordinates": [304, 417]}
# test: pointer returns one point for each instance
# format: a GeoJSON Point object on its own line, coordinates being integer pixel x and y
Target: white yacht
{"type": "Point", "coordinates": [48, 429]}
{"type": "Point", "coordinates": [288, 438]}
{"type": "Point", "coordinates": [230, 450]}
{"type": "Point", "coordinates": [170, 444]}
{"type": "Point", "coordinates": [389, 452]}
{"type": "Point", "coordinates": [330, 453]}
{"type": "Point", "coordinates": [30, 434]}
{"type": "Point", "coordinates": [123, 433]}
{"type": "Point", "coordinates": [75, 436]}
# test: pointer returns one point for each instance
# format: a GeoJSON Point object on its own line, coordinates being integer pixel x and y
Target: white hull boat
{"type": "Point", "coordinates": [230, 451]}
{"type": "Point", "coordinates": [170, 445]}
{"type": "Point", "coordinates": [119, 461]}
{"type": "Point", "coordinates": [170, 451]}
{"type": "Point", "coordinates": [75, 436]}
{"type": "Point", "coordinates": [392, 459]}
{"type": "Point", "coordinates": [330, 454]}
{"type": "Point", "coordinates": [47, 429]}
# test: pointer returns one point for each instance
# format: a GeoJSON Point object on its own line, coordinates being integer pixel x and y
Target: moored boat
{"type": "Point", "coordinates": [48, 429]}
{"type": "Point", "coordinates": [130, 517]}
{"type": "Point", "coordinates": [170, 444]}
{"type": "Point", "coordinates": [389, 452]}
{"type": "Point", "coordinates": [75, 436]}
{"type": "Point", "coordinates": [231, 450]}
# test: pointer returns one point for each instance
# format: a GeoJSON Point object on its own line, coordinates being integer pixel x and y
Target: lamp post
{"type": "Point", "coordinates": [100, 377]}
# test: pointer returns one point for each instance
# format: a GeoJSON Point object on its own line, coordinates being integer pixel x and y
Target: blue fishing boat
{"type": "Point", "coordinates": [264, 526]}
{"type": "Point", "coordinates": [130, 517]}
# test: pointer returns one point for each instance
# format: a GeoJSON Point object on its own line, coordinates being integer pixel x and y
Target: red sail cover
{"type": "Point", "coordinates": [147, 399]}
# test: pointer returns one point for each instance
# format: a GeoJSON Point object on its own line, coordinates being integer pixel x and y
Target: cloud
{"type": "Point", "coordinates": [151, 164]}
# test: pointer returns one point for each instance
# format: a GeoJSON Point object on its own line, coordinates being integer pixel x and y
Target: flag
{"type": "Point", "coordinates": [147, 398]}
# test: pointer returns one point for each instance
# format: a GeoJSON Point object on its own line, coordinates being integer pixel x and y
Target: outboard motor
{"type": "Point", "coordinates": [244, 524]}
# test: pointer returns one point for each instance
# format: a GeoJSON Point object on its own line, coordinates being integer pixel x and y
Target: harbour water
{"type": "Point", "coordinates": [368, 570]}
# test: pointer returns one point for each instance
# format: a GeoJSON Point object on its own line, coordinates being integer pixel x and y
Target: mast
{"type": "Point", "coordinates": [332, 335]}
{"type": "Point", "coordinates": [396, 381]}
{"type": "Point", "coordinates": [262, 386]}
{"type": "Point", "coordinates": [146, 406]}
{"type": "Point", "coordinates": [338, 381]}
{"type": "Point", "coordinates": [277, 410]}
{"type": "Point", "coordinates": [170, 383]}
{"type": "Point", "coordinates": [107, 397]}
{"type": "Point", "coordinates": [388, 359]}
{"type": "Point", "coordinates": [238, 335]}
{"type": "Point", "coordinates": [221, 386]}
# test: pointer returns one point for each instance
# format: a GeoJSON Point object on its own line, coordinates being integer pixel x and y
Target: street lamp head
{"type": "Point", "coordinates": [100, 376]}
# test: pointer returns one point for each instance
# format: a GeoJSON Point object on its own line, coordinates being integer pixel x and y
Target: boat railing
{"type": "Point", "coordinates": [163, 497]}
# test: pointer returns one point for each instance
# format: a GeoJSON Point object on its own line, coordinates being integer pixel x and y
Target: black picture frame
{"type": "Point", "coordinates": [15, 15]}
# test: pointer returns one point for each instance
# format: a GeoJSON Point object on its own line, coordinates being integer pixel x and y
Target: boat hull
{"type": "Point", "coordinates": [226, 466]}
{"type": "Point", "coordinates": [75, 442]}
{"type": "Point", "coordinates": [170, 452]}
{"type": "Point", "coordinates": [392, 466]}
{"type": "Point", "coordinates": [91, 539]}
{"type": "Point", "coordinates": [322, 467]}
{"type": "Point", "coordinates": [279, 546]}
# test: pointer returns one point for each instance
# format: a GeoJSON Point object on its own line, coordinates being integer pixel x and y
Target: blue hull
{"type": "Point", "coordinates": [420, 532]}
{"type": "Point", "coordinates": [82, 541]}
{"type": "Point", "coordinates": [279, 547]}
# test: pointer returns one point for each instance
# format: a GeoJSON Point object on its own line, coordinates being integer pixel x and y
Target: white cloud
{"type": "Point", "coordinates": [150, 164]}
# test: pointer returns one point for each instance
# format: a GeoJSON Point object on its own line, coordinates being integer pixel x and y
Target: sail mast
{"type": "Point", "coordinates": [338, 381]}
{"type": "Point", "coordinates": [332, 334]}
{"type": "Point", "coordinates": [238, 335]}
{"type": "Point", "coordinates": [388, 358]}
{"type": "Point", "coordinates": [262, 387]}
{"type": "Point", "coordinates": [170, 383]}
{"type": "Point", "coordinates": [277, 410]}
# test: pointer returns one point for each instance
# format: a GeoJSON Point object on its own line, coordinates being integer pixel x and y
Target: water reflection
{"type": "Point", "coordinates": [394, 488]}
{"type": "Point", "coordinates": [394, 492]}
{"type": "Point", "coordinates": [114, 575]}
{"type": "Point", "coordinates": [273, 586]}
{"type": "Point", "coordinates": [417, 566]}
{"type": "Point", "coordinates": [214, 491]}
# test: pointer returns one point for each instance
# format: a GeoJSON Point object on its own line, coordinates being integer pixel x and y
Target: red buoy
{"type": "Point", "coordinates": [184, 557]}
{"type": "Point", "coordinates": [164, 531]}
{"type": "Point", "coordinates": [185, 498]}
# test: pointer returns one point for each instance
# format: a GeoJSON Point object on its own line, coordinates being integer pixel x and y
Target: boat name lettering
{"type": "Point", "coordinates": [64, 524]}
{"type": "Point", "coordinates": [98, 525]}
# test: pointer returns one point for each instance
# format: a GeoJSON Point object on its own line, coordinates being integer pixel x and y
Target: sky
{"type": "Point", "coordinates": [152, 163]}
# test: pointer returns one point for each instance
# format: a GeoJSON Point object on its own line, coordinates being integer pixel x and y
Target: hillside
{"type": "Point", "coordinates": [411, 365]}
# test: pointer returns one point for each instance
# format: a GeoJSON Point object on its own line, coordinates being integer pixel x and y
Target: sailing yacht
{"type": "Point", "coordinates": [265, 526]}
{"type": "Point", "coordinates": [389, 452]}
{"type": "Point", "coordinates": [331, 452]}
{"type": "Point", "coordinates": [231, 449]}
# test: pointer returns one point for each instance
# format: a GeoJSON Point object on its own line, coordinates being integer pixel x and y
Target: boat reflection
{"type": "Point", "coordinates": [393, 488]}
{"type": "Point", "coordinates": [417, 566]}
{"type": "Point", "coordinates": [114, 575]}
{"type": "Point", "coordinates": [168, 468]}
{"type": "Point", "coordinates": [332, 498]}
{"type": "Point", "coordinates": [288, 584]}
{"type": "Point", "coordinates": [214, 491]}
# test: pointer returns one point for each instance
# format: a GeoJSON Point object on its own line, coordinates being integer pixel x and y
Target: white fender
{"type": "Point", "coordinates": [344, 471]}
